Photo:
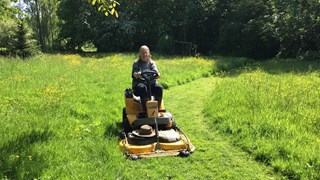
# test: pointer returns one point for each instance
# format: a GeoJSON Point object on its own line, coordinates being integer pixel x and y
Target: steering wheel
{"type": "Point", "coordinates": [148, 75]}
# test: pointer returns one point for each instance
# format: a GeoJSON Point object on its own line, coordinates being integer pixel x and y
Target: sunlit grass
{"type": "Point", "coordinates": [61, 117]}
{"type": "Point", "coordinates": [60, 114]}
{"type": "Point", "coordinates": [274, 117]}
{"type": "Point", "coordinates": [178, 71]}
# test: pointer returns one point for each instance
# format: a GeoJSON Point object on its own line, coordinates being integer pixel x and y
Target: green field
{"type": "Point", "coordinates": [61, 118]}
{"type": "Point", "coordinates": [271, 111]}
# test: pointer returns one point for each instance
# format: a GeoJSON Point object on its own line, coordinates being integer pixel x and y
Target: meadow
{"type": "Point", "coordinates": [61, 114]}
{"type": "Point", "coordinates": [271, 111]}
{"type": "Point", "coordinates": [61, 118]}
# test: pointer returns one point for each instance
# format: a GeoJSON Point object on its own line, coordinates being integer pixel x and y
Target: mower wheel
{"type": "Point", "coordinates": [134, 157]}
{"type": "Point", "coordinates": [184, 153]}
{"type": "Point", "coordinates": [125, 123]}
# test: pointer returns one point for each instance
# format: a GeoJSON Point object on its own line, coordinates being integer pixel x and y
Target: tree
{"type": "Point", "coordinates": [203, 24]}
{"type": "Point", "coordinates": [41, 15]}
{"type": "Point", "coordinates": [15, 36]}
{"type": "Point", "coordinates": [298, 26]}
{"type": "Point", "coordinates": [252, 28]}
{"type": "Point", "coordinates": [6, 10]}
{"type": "Point", "coordinates": [76, 27]}
{"type": "Point", "coordinates": [7, 27]}
{"type": "Point", "coordinates": [247, 30]}
{"type": "Point", "coordinates": [7, 32]}
{"type": "Point", "coordinates": [21, 45]}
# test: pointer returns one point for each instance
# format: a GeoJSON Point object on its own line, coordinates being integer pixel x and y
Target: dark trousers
{"type": "Point", "coordinates": [142, 90]}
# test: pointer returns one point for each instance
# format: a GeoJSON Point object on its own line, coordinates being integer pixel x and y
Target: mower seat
{"type": "Point", "coordinates": [138, 99]}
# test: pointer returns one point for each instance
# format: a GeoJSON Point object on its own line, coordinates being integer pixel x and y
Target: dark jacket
{"type": "Point", "coordinates": [141, 66]}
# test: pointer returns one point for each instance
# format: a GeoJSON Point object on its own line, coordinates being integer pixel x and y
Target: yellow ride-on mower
{"type": "Point", "coordinates": [154, 133]}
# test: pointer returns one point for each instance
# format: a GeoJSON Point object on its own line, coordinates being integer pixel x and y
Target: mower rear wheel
{"type": "Point", "coordinates": [125, 123]}
{"type": "Point", "coordinates": [184, 153]}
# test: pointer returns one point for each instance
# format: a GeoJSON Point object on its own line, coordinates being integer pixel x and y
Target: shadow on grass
{"type": "Point", "coordinates": [113, 130]}
{"type": "Point", "coordinates": [229, 63]}
{"type": "Point", "coordinates": [281, 66]}
{"type": "Point", "coordinates": [18, 158]}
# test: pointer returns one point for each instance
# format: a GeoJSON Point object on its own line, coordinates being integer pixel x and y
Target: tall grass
{"type": "Point", "coordinates": [60, 114]}
{"type": "Point", "coordinates": [273, 114]}
{"type": "Point", "coordinates": [51, 106]}
{"type": "Point", "coordinates": [177, 71]}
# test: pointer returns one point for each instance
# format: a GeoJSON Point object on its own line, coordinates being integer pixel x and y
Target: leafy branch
{"type": "Point", "coordinates": [106, 6]}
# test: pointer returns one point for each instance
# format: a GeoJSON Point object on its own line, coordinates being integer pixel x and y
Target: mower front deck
{"type": "Point", "coordinates": [182, 147]}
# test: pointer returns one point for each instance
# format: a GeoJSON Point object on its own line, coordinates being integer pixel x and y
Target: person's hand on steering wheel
{"type": "Point", "coordinates": [137, 75]}
{"type": "Point", "coordinates": [157, 75]}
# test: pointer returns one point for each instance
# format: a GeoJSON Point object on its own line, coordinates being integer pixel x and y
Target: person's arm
{"type": "Point", "coordinates": [135, 70]}
{"type": "Point", "coordinates": [154, 68]}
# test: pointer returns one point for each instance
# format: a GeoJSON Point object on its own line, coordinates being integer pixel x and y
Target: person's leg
{"type": "Point", "coordinates": [141, 90]}
{"type": "Point", "coordinates": [158, 91]}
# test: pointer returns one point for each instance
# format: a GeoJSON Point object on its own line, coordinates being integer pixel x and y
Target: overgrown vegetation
{"type": "Point", "coordinates": [61, 118]}
{"type": "Point", "coordinates": [60, 114]}
{"type": "Point", "coordinates": [257, 29]}
{"type": "Point", "coordinates": [271, 111]}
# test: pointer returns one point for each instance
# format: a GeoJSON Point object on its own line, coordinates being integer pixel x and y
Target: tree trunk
{"type": "Point", "coordinates": [40, 31]}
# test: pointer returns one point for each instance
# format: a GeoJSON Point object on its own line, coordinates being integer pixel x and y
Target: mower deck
{"type": "Point", "coordinates": [182, 147]}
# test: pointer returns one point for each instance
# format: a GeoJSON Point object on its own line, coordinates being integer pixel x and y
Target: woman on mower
{"type": "Point", "coordinates": [139, 86]}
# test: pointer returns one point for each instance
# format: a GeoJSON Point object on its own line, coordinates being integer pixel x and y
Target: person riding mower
{"type": "Point", "coordinates": [153, 134]}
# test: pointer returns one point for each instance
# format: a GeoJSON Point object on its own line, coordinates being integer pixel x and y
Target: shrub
{"type": "Point", "coordinates": [7, 31]}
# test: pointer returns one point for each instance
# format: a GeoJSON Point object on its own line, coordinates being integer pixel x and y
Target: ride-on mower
{"type": "Point", "coordinates": [154, 133]}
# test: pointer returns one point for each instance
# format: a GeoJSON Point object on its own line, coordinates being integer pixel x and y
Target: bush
{"type": "Point", "coordinates": [7, 31]}
{"type": "Point", "coordinates": [16, 39]}
{"type": "Point", "coordinates": [310, 55]}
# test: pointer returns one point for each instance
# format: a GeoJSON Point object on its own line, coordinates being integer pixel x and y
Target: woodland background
{"type": "Point", "coordinates": [258, 29]}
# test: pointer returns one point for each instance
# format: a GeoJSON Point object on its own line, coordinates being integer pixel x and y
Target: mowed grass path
{"type": "Point", "coordinates": [214, 157]}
